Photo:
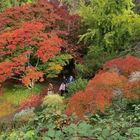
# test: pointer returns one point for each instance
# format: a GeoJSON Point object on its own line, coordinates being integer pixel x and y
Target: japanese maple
{"type": "Point", "coordinates": [99, 92]}
{"type": "Point", "coordinates": [30, 36]}
{"type": "Point", "coordinates": [84, 102]}
{"type": "Point", "coordinates": [125, 65]}
{"type": "Point", "coordinates": [132, 90]}
{"type": "Point", "coordinates": [79, 103]}
{"type": "Point", "coordinates": [31, 77]}
{"type": "Point", "coordinates": [106, 81]}
{"type": "Point", "coordinates": [53, 17]}
{"type": "Point", "coordinates": [29, 43]}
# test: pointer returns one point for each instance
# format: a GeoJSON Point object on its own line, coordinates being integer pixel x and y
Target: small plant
{"type": "Point", "coordinates": [53, 102]}
{"type": "Point", "coordinates": [25, 115]}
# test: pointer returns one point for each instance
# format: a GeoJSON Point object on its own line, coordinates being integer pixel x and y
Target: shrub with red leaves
{"type": "Point", "coordinates": [132, 90]}
{"type": "Point", "coordinates": [79, 103]}
{"type": "Point", "coordinates": [125, 65]}
{"type": "Point", "coordinates": [99, 92]}
{"type": "Point", "coordinates": [86, 102]}
{"type": "Point", "coordinates": [106, 81]}
{"type": "Point", "coordinates": [33, 101]}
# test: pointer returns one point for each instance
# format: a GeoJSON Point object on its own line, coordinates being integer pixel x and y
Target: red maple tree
{"type": "Point", "coordinates": [53, 18]}
{"type": "Point", "coordinates": [31, 35]}
{"type": "Point", "coordinates": [18, 48]}
{"type": "Point", "coordinates": [35, 33]}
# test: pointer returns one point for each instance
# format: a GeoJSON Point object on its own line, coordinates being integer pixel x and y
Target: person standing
{"type": "Point", "coordinates": [62, 88]}
{"type": "Point", "coordinates": [71, 79]}
{"type": "Point", "coordinates": [65, 80]}
{"type": "Point", "coordinates": [50, 89]}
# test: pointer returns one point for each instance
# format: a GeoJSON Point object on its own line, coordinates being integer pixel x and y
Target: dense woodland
{"type": "Point", "coordinates": [95, 41]}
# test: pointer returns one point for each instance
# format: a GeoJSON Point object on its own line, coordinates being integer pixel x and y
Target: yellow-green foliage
{"type": "Point", "coordinates": [55, 65]}
{"type": "Point", "coordinates": [111, 24]}
{"type": "Point", "coordinates": [54, 102]}
{"type": "Point", "coordinates": [12, 3]}
{"type": "Point", "coordinates": [112, 29]}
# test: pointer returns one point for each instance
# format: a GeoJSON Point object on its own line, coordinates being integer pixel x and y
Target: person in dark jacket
{"type": "Point", "coordinates": [65, 80]}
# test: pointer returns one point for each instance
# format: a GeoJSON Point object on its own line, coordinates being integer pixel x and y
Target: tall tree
{"type": "Point", "coordinates": [112, 28]}
{"type": "Point", "coordinates": [32, 38]}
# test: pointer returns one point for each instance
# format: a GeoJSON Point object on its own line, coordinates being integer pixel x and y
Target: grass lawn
{"type": "Point", "coordinates": [16, 93]}
{"type": "Point", "coordinates": [13, 95]}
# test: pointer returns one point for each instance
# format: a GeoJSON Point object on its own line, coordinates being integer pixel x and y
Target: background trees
{"type": "Point", "coordinates": [112, 29]}
{"type": "Point", "coordinates": [12, 3]}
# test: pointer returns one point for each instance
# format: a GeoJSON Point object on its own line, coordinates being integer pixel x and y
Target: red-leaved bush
{"type": "Point", "coordinates": [125, 65]}
{"type": "Point", "coordinates": [85, 102]}
{"type": "Point", "coordinates": [132, 90]}
{"type": "Point", "coordinates": [99, 92]}
{"type": "Point", "coordinates": [32, 101]}
{"type": "Point", "coordinates": [106, 81]}
{"type": "Point", "coordinates": [79, 104]}
{"type": "Point", "coordinates": [97, 95]}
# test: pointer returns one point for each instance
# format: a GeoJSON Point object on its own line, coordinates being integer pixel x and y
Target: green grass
{"type": "Point", "coordinates": [16, 93]}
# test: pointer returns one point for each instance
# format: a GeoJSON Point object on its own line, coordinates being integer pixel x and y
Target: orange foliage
{"type": "Point", "coordinates": [106, 81]}
{"type": "Point", "coordinates": [132, 90]}
{"type": "Point", "coordinates": [80, 103]}
{"type": "Point", "coordinates": [31, 77]}
{"type": "Point", "coordinates": [99, 92]}
{"type": "Point", "coordinates": [102, 99]}
{"type": "Point", "coordinates": [86, 102]}
{"type": "Point", "coordinates": [125, 65]}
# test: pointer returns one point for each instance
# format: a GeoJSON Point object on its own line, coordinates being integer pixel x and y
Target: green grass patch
{"type": "Point", "coordinates": [16, 93]}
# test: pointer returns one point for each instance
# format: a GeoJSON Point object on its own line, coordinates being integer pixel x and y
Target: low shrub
{"type": "Point", "coordinates": [53, 102]}
{"type": "Point", "coordinates": [25, 115]}
{"type": "Point", "coordinates": [76, 86]}
{"type": "Point", "coordinates": [126, 65]}
{"type": "Point", "coordinates": [33, 101]}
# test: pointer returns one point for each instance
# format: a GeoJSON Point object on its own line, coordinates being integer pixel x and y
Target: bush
{"type": "Point", "coordinates": [77, 85]}
{"type": "Point", "coordinates": [32, 101]}
{"type": "Point", "coordinates": [53, 102]}
{"type": "Point", "coordinates": [25, 115]}
{"type": "Point", "coordinates": [94, 60]}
